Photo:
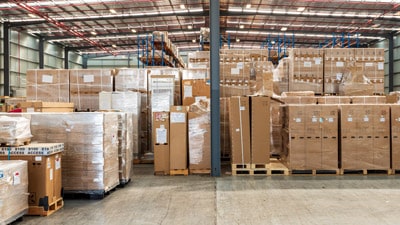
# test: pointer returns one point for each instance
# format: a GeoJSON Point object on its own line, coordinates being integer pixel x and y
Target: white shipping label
{"type": "Point", "coordinates": [47, 79]}
{"type": "Point", "coordinates": [314, 120]}
{"type": "Point", "coordinates": [369, 64]}
{"type": "Point", "coordinates": [188, 91]}
{"type": "Point", "coordinates": [339, 64]}
{"type": "Point", "coordinates": [58, 163]}
{"type": "Point", "coordinates": [240, 65]}
{"type": "Point", "coordinates": [242, 108]}
{"type": "Point", "coordinates": [16, 178]}
{"type": "Point", "coordinates": [178, 117]}
{"type": "Point", "coordinates": [350, 119]}
{"type": "Point", "coordinates": [237, 130]}
{"type": "Point", "coordinates": [51, 174]}
{"type": "Point", "coordinates": [88, 78]}
{"type": "Point", "coordinates": [298, 120]}
{"type": "Point", "coordinates": [318, 61]}
{"type": "Point", "coordinates": [366, 119]}
{"type": "Point", "coordinates": [161, 135]}
{"type": "Point", "coordinates": [235, 71]}
{"type": "Point", "coordinates": [38, 158]}
{"type": "Point", "coordinates": [382, 119]}
{"type": "Point", "coordinates": [307, 64]}
{"type": "Point", "coordinates": [380, 66]}
{"type": "Point", "coordinates": [339, 76]}
{"type": "Point", "coordinates": [1, 174]}
{"type": "Point", "coordinates": [48, 163]}
{"type": "Point", "coordinates": [30, 110]}
{"type": "Point", "coordinates": [330, 120]}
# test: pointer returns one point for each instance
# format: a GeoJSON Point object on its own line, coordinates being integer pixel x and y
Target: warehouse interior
{"type": "Point", "coordinates": [199, 112]}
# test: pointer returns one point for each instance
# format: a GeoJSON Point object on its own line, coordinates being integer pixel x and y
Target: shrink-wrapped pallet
{"type": "Point", "coordinates": [131, 80]}
{"type": "Point", "coordinates": [47, 85]}
{"type": "Point", "coordinates": [90, 158]}
{"type": "Point", "coordinates": [13, 190]}
{"type": "Point", "coordinates": [14, 130]}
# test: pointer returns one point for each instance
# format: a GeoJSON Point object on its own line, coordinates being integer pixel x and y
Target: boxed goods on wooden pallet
{"type": "Point", "coordinates": [161, 142]}
{"type": "Point", "coordinates": [195, 85]}
{"type": "Point", "coordinates": [365, 137]}
{"type": "Point", "coordinates": [44, 168]}
{"type": "Point", "coordinates": [85, 86]}
{"type": "Point", "coordinates": [154, 72]}
{"type": "Point", "coordinates": [131, 80]}
{"type": "Point", "coordinates": [127, 144]}
{"type": "Point", "coordinates": [354, 83]}
{"type": "Point", "coordinates": [239, 122]}
{"type": "Point", "coordinates": [336, 66]}
{"type": "Point", "coordinates": [306, 70]}
{"type": "Point", "coordinates": [395, 125]}
{"type": "Point", "coordinates": [13, 190]}
{"type": "Point", "coordinates": [14, 130]}
{"type": "Point", "coordinates": [47, 85]}
{"type": "Point", "coordinates": [90, 159]}
{"type": "Point", "coordinates": [370, 62]}
{"type": "Point", "coordinates": [39, 106]}
{"type": "Point", "coordinates": [178, 137]}
{"type": "Point", "coordinates": [199, 131]}
{"type": "Point", "coordinates": [260, 129]}
{"type": "Point", "coordinates": [310, 137]}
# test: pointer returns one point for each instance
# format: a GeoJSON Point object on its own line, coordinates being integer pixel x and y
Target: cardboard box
{"type": "Point", "coordinates": [260, 129]}
{"type": "Point", "coordinates": [47, 85]}
{"type": "Point", "coordinates": [199, 140]}
{"type": "Point", "coordinates": [13, 190]}
{"type": "Point", "coordinates": [225, 132]}
{"type": "Point", "coordinates": [195, 88]}
{"type": "Point", "coordinates": [39, 106]}
{"type": "Point", "coordinates": [239, 120]}
{"type": "Point", "coordinates": [178, 137]}
{"type": "Point", "coordinates": [395, 124]}
{"type": "Point", "coordinates": [368, 99]}
{"type": "Point", "coordinates": [161, 142]}
{"type": "Point", "coordinates": [334, 100]}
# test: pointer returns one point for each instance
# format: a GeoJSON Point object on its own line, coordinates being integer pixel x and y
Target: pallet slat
{"type": "Point", "coordinates": [183, 172]}
{"type": "Point", "coordinates": [40, 210]}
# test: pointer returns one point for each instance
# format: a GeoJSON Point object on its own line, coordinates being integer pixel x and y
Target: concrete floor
{"type": "Point", "coordinates": [349, 199]}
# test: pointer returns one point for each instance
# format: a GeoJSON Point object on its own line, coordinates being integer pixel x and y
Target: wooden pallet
{"type": "Point", "coordinates": [41, 211]}
{"type": "Point", "coordinates": [175, 172]}
{"type": "Point", "coordinates": [315, 172]}
{"type": "Point", "coordinates": [16, 142]}
{"type": "Point", "coordinates": [199, 171]}
{"type": "Point", "coordinates": [366, 171]}
{"type": "Point", "coordinates": [276, 167]}
{"type": "Point", "coordinates": [241, 169]}
{"type": "Point", "coordinates": [160, 173]}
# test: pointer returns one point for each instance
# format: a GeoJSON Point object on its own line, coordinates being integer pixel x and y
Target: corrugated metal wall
{"type": "Point", "coordinates": [24, 55]}
{"type": "Point", "coordinates": [396, 70]}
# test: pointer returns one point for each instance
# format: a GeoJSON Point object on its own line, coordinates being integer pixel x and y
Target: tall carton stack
{"type": "Point", "coordinates": [195, 85]}
{"type": "Point", "coordinates": [44, 167]}
{"type": "Point", "coordinates": [372, 61]}
{"type": "Point", "coordinates": [306, 70]}
{"type": "Point", "coordinates": [47, 85]}
{"type": "Point", "coordinates": [276, 128]}
{"type": "Point", "coordinates": [90, 159]}
{"type": "Point", "coordinates": [311, 137]}
{"type": "Point", "coordinates": [225, 132]}
{"type": "Point", "coordinates": [13, 190]}
{"type": "Point", "coordinates": [127, 145]}
{"type": "Point", "coordinates": [176, 73]}
{"type": "Point", "coordinates": [337, 65]}
{"type": "Point", "coordinates": [161, 142]}
{"type": "Point", "coordinates": [178, 138]}
{"type": "Point", "coordinates": [365, 137]}
{"type": "Point", "coordinates": [239, 121]}
{"type": "Point", "coordinates": [395, 124]}
{"type": "Point", "coordinates": [199, 60]}
{"type": "Point", "coordinates": [199, 137]}
{"type": "Point", "coordinates": [260, 129]}
{"type": "Point", "coordinates": [85, 86]}
{"type": "Point", "coordinates": [135, 80]}
{"type": "Point", "coordinates": [281, 75]}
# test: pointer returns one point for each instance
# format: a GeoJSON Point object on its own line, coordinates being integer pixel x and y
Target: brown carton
{"type": "Point", "coordinates": [161, 144]}
{"type": "Point", "coordinates": [194, 88]}
{"type": "Point", "coordinates": [39, 106]}
{"type": "Point", "coordinates": [334, 100]}
{"type": "Point", "coordinates": [395, 124]}
{"type": "Point", "coordinates": [260, 129]}
{"type": "Point", "coordinates": [368, 99]}
{"type": "Point", "coordinates": [178, 137]}
{"type": "Point", "coordinates": [239, 120]}
{"type": "Point", "coordinates": [47, 85]}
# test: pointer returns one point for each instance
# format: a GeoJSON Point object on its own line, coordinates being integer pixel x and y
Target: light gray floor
{"type": "Point", "coordinates": [349, 199]}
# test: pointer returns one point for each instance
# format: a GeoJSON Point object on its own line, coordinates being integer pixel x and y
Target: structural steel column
{"type": "Point", "coordinates": [41, 53]}
{"type": "Point", "coordinates": [215, 110]}
{"type": "Point", "coordinates": [66, 58]}
{"type": "Point", "coordinates": [6, 57]}
{"type": "Point", "coordinates": [391, 62]}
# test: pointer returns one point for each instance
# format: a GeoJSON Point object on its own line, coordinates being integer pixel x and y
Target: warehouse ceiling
{"type": "Point", "coordinates": [115, 26]}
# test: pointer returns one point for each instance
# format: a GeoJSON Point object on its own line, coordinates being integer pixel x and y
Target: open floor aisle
{"type": "Point", "coordinates": [299, 199]}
